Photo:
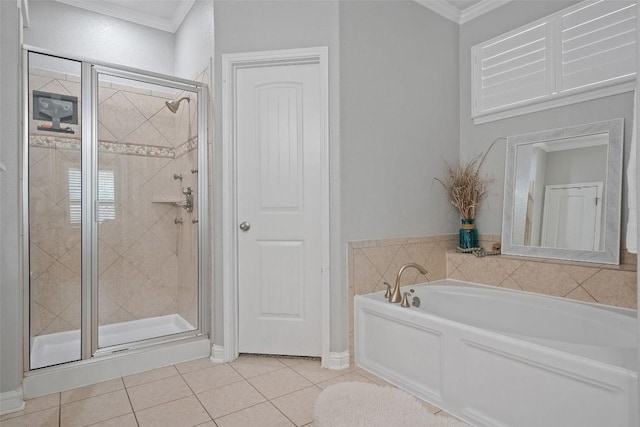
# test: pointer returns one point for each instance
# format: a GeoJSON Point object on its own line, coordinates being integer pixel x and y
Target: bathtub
{"type": "Point", "coordinates": [495, 357]}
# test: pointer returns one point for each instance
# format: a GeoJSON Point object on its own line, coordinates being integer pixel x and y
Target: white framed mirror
{"type": "Point", "coordinates": [562, 193]}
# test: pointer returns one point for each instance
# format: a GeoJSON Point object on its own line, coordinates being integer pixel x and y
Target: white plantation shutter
{"type": "Point", "coordinates": [598, 44]}
{"type": "Point", "coordinates": [585, 48]}
{"type": "Point", "coordinates": [106, 195]}
{"type": "Point", "coordinates": [513, 69]}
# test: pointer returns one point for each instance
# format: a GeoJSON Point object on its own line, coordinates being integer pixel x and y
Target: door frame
{"type": "Point", "coordinates": [231, 63]}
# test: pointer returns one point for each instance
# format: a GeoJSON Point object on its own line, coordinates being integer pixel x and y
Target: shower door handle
{"type": "Point", "coordinates": [245, 226]}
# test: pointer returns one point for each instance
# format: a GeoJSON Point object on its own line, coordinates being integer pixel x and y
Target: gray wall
{"type": "Point", "coordinates": [250, 26]}
{"type": "Point", "coordinates": [399, 119]}
{"type": "Point", "coordinates": [474, 139]}
{"type": "Point", "coordinates": [10, 286]}
{"type": "Point", "coordinates": [194, 41]}
{"type": "Point", "coordinates": [73, 31]}
{"type": "Point", "coordinates": [394, 111]}
{"type": "Point", "coordinates": [588, 164]}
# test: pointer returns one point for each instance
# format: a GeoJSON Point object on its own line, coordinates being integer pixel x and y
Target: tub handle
{"type": "Point", "coordinates": [387, 294]}
{"type": "Point", "coordinates": [405, 300]}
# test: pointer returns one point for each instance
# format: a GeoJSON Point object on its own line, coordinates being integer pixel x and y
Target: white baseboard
{"type": "Point", "coordinates": [337, 361]}
{"type": "Point", "coordinates": [217, 354]}
{"type": "Point", "coordinates": [11, 401]}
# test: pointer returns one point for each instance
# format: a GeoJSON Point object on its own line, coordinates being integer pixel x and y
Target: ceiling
{"type": "Point", "coordinates": [167, 15]}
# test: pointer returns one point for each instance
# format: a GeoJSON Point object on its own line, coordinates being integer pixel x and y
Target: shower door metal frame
{"type": "Point", "coordinates": [89, 154]}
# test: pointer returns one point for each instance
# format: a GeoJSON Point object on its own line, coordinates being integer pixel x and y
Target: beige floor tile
{"type": "Point", "coordinates": [251, 366]}
{"type": "Point", "coordinates": [210, 378]}
{"type": "Point", "coordinates": [34, 405]}
{"type": "Point", "coordinates": [279, 383]}
{"type": "Point", "coordinates": [149, 376]}
{"type": "Point", "coordinates": [158, 392]}
{"type": "Point", "coordinates": [298, 406]}
{"type": "Point", "coordinates": [95, 409]}
{"type": "Point", "coordinates": [263, 415]}
{"type": "Point", "coordinates": [351, 377]}
{"type": "Point", "coordinates": [195, 365]}
{"type": "Point", "coordinates": [312, 371]}
{"type": "Point", "coordinates": [207, 424]}
{"type": "Point", "coordinates": [91, 391]}
{"type": "Point", "coordinates": [128, 420]}
{"type": "Point", "coordinates": [46, 418]}
{"type": "Point", "coordinates": [183, 412]}
{"type": "Point", "coordinates": [295, 360]}
{"type": "Point", "coordinates": [432, 409]}
{"type": "Point", "coordinates": [372, 377]}
{"type": "Point", "coordinates": [230, 398]}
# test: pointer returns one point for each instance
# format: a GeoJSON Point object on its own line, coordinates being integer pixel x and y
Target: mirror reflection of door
{"type": "Point", "coordinates": [572, 216]}
{"type": "Point", "coordinates": [561, 163]}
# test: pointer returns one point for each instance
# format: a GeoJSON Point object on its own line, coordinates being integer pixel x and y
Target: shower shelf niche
{"type": "Point", "coordinates": [171, 201]}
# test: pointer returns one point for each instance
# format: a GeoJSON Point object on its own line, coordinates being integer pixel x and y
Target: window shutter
{"type": "Point", "coordinates": [75, 195]}
{"type": "Point", "coordinates": [582, 52]}
{"type": "Point", "coordinates": [106, 195]}
{"type": "Point", "coordinates": [514, 69]}
{"type": "Point", "coordinates": [598, 44]}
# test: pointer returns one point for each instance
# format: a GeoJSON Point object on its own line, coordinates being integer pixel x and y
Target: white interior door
{"type": "Point", "coordinates": [572, 215]}
{"type": "Point", "coordinates": [279, 209]}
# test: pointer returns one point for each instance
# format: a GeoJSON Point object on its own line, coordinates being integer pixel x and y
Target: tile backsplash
{"type": "Point", "coordinates": [372, 262]}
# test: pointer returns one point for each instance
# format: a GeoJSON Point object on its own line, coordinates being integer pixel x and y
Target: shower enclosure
{"type": "Point", "coordinates": [114, 209]}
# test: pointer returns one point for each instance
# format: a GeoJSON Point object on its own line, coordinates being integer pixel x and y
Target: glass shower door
{"type": "Point", "coordinates": [111, 203]}
{"type": "Point", "coordinates": [54, 151]}
{"type": "Point", "coordinates": [147, 187]}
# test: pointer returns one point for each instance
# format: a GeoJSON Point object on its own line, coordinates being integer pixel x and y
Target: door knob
{"type": "Point", "coordinates": [245, 226]}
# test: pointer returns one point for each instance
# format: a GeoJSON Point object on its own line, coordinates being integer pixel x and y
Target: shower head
{"type": "Point", "coordinates": [173, 105]}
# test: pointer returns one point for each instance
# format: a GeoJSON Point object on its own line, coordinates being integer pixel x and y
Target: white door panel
{"type": "Point", "coordinates": [572, 215]}
{"type": "Point", "coordinates": [279, 195]}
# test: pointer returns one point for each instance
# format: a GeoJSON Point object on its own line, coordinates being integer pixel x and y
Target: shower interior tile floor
{"type": "Point", "coordinates": [251, 391]}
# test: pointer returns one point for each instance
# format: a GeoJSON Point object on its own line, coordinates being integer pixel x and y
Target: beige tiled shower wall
{"type": "Point", "coordinates": [372, 262]}
{"type": "Point", "coordinates": [147, 263]}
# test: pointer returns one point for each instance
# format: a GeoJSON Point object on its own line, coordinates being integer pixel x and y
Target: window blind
{"type": "Point", "coordinates": [598, 44]}
{"type": "Point", "coordinates": [106, 195]}
{"type": "Point", "coordinates": [588, 46]}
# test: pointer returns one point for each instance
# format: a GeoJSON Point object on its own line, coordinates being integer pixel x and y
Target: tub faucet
{"type": "Point", "coordinates": [396, 295]}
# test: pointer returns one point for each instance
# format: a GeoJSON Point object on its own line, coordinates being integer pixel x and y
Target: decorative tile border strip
{"type": "Point", "coordinates": [183, 149]}
{"type": "Point", "coordinates": [138, 150]}
{"type": "Point", "coordinates": [108, 147]}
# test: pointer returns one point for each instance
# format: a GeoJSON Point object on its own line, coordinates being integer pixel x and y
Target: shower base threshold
{"type": "Point", "coordinates": [63, 347]}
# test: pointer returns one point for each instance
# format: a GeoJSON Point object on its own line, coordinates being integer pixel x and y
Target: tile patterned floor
{"type": "Point", "coordinates": [251, 391]}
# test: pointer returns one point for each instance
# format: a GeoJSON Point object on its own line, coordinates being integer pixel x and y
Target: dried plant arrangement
{"type": "Point", "coordinates": [465, 186]}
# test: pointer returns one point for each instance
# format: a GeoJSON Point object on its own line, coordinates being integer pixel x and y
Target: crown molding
{"type": "Point", "coordinates": [452, 13]}
{"type": "Point", "coordinates": [24, 9]}
{"type": "Point", "coordinates": [442, 8]}
{"type": "Point", "coordinates": [148, 20]}
{"type": "Point", "coordinates": [181, 13]}
{"type": "Point", "coordinates": [480, 8]}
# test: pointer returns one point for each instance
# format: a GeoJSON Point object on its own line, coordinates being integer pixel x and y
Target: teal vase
{"type": "Point", "coordinates": [468, 234]}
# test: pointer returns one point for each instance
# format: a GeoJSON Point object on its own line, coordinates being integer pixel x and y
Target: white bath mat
{"type": "Point", "coordinates": [352, 404]}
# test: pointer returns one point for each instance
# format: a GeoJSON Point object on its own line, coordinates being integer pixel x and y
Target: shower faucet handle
{"type": "Point", "coordinates": [177, 176]}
